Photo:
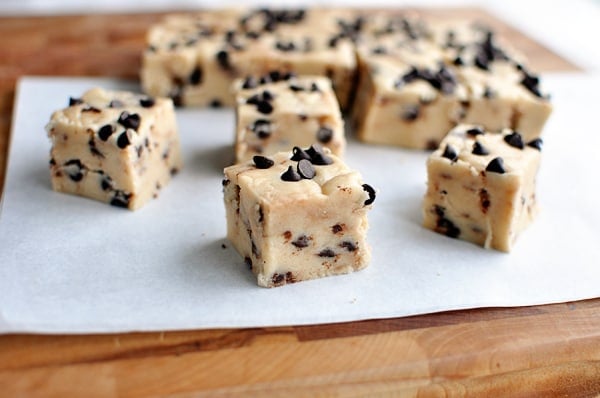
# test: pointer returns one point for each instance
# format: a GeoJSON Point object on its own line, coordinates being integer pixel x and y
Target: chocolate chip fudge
{"type": "Point", "coordinates": [417, 80]}
{"type": "Point", "coordinates": [297, 215]}
{"type": "Point", "coordinates": [279, 111]}
{"type": "Point", "coordinates": [195, 58]}
{"type": "Point", "coordinates": [481, 186]}
{"type": "Point", "coordinates": [114, 146]}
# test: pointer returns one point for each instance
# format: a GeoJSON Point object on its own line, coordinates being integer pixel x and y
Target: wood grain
{"type": "Point", "coordinates": [551, 350]}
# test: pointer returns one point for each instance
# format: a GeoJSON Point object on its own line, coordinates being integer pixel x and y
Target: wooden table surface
{"type": "Point", "coordinates": [549, 350]}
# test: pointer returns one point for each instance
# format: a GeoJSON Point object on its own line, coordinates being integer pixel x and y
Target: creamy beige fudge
{"type": "Point", "coordinates": [417, 80]}
{"type": "Point", "coordinates": [481, 186]}
{"type": "Point", "coordinates": [195, 58]}
{"type": "Point", "coordinates": [286, 111]}
{"type": "Point", "coordinates": [298, 215]}
{"type": "Point", "coordinates": [114, 146]}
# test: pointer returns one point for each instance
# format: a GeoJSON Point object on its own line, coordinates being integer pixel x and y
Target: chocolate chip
{"type": "Point", "coordinates": [106, 183]}
{"type": "Point", "coordinates": [277, 279]}
{"type": "Point", "coordinates": [350, 246]}
{"type": "Point", "coordinates": [299, 154]}
{"type": "Point", "coordinates": [450, 153]}
{"type": "Point", "coordinates": [75, 101]}
{"type": "Point", "coordinates": [379, 50]}
{"type": "Point", "coordinates": [129, 121]}
{"type": "Point", "coordinates": [262, 128]}
{"type": "Point", "coordinates": [536, 143]}
{"type": "Point", "coordinates": [475, 131]}
{"type": "Point", "coordinates": [327, 253]}
{"type": "Point", "coordinates": [496, 166]}
{"type": "Point", "coordinates": [306, 169]}
{"type": "Point", "coordinates": [225, 182]}
{"type": "Point", "coordinates": [296, 88]}
{"type": "Point", "coordinates": [285, 46]}
{"type": "Point", "coordinates": [121, 199]}
{"type": "Point", "coordinates": [488, 93]}
{"type": "Point", "coordinates": [458, 61]}
{"type": "Point", "coordinates": [411, 113]}
{"type": "Point", "coordinates": [223, 60]}
{"type": "Point", "coordinates": [479, 149]}
{"type": "Point", "coordinates": [264, 107]}
{"type": "Point", "coordinates": [147, 102]}
{"type": "Point", "coordinates": [291, 175]}
{"type": "Point", "coordinates": [116, 104]}
{"type": "Point", "coordinates": [515, 140]}
{"type": "Point", "coordinates": [123, 140]}
{"type": "Point", "coordinates": [216, 103]}
{"type": "Point", "coordinates": [369, 189]}
{"type": "Point", "coordinates": [444, 225]}
{"type": "Point", "coordinates": [249, 83]}
{"type": "Point", "coordinates": [262, 162]}
{"type": "Point", "coordinates": [314, 88]}
{"type": "Point", "coordinates": [91, 109]}
{"type": "Point", "coordinates": [302, 241]}
{"type": "Point", "coordinates": [196, 76]}
{"type": "Point", "coordinates": [93, 149]}
{"type": "Point", "coordinates": [267, 95]}
{"type": "Point", "coordinates": [74, 169]}
{"type": "Point", "coordinates": [317, 156]}
{"type": "Point", "coordinates": [531, 83]}
{"type": "Point", "coordinates": [337, 228]}
{"type": "Point", "coordinates": [484, 200]}
{"type": "Point", "coordinates": [52, 162]}
{"type": "Point", "coordinates": [324, 134]}
{"type": "Point", "coordinates": [105, 132]}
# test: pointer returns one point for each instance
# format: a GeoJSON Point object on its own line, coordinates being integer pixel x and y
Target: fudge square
{"type": "Point", "coordinates": [298, 215]}
{"type": "Point", "coordinates": [114, 146]}
{"type": "Point", "coordinates": [481, 186]}
{"type": "Point", "coordinates": [194, 58]}
{"type": "Point", "coordinates": [279, 111]}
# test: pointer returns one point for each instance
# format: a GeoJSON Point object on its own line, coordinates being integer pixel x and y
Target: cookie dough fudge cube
{"type": "Point", "coordinates": [298, 215]}
{"type": "Point", "coordinates": [481, 186]}
{"type": "Point", "coordinates": [114, 146]}
{"type": "Point", "coordinates": [195, 60]}
{"type": "Point", "coordinates": [277, 112]}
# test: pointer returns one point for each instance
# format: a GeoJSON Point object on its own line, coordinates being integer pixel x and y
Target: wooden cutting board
{"type": "Point", "coordinates": [540, 350]}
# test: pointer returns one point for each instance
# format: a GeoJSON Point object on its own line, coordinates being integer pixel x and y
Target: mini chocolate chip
{"type": "Point", "coordinates": [291, 175]}
{"type": "Point", "coordinates": [458, 61]}
{"type": "Point", "coordinates": [252, 35]}
{"type": "Point", "coordinates": [531, 83]}
{"type": "Point", "coordinates": [306, 169]}
{"type": "Point", "coordinates": [121, 199]}
{"type": "Point", "coordinates": [488, 93]}
{"type": "Point", "coordinates": [91, 109]}
{"type": "Point", "coordinates": [496, 166]}
{"type": "Point", "coordinates": [75, 101]}
{"type": "Point", "coordinates": [116, 104]}
{"type": "Point", "coordinates": [379, 50]}
{"type": "Point", "coordinates": [275, 75]}
{"type": "Point", "coordinates": [223, 60]}
{"type": "Point", "coordinates": [264, 107]}
{"type": "Point", "coordinates": [317, 156]}
{"type": "Point", "coordinates": [74, 169]}
{"type": "Point", "coordinates": [225, 182]}
{"type": "Point", "coordinates": [411, 113]}
{"type": "Point", "coordinates": [285, 46]}
{"type": "Point", "coordinates": [262, 128]}
{"type": "Point", "coordinates": [536, 143]}
{"type": "Point", "coordinates": [324, 134]}
{"type": "Point", "coordinates": [216, 103]}
{"type": "Point", "coordinates": [296, 88]}
{"type": "Point", "coordinates": [369, 189]}
{"type": "Point", "coordinates": [337, 228]}
{"type": "Point", "coordinates": [123, 140]}
{"type": "Point", "coordinates": [262, 162]}
{"type": "Point", "coordinates": [93, 149]}
{"type": "Point", "coordinates": [444, 225]}
{"type": "Point", "coordinates": [302, 241]}
{"type": "Point", "coordinates": [432, 145]}
{"type": "Point", "coordinates": [327, 253]}
{"type": "Point", "coordinates": [515, 140]}
{"type": "Point", "coordinates": [450, 153]}
{"type": "Point", "coordinates": [105, 132]}
{"type": "Point", "coordinates": [475, 131]}
{"type": "Point", "coordinates": [277, 279]}
{"type": "Point", "coordinates": [267, 95]}
{"type": "Point", "coordinates": [249, 82]}
{"type": "Point", "coordinates": [299, 154]}
{"type": "Point", "coordinates": [147, 102]}
{"type": "Point", "coordinates": [196, 76]}
{"type": "Point", "coordinates": [350, 246]}
{"type": "Point", "coordinates": [314, 87]}
{"type": "Point", "coordinates": [129, 120]}
{"type": "Point", "coordinates": [479, 149]}
{"type": "Point", "coordinates": [106, 184]}
{"type": "Point", "coordinates": [52, 162]}
{"type": "Point", "coordinates": [484, 200]}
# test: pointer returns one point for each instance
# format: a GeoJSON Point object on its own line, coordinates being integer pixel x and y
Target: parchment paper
{"type": "Point", "coordinates": [73, 265]}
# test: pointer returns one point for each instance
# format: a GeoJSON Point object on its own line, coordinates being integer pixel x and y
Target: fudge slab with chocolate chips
{"type": "Point", "coordinates": [114, 146]}
{"type": "Point", "coordinates": [277, 112]}
{"type": "Point", "coordinates": [297, 215]}
{"type": "Point", "coordinates": [481, 186]}
{"type": "Point", "coordinates": [194, 58]}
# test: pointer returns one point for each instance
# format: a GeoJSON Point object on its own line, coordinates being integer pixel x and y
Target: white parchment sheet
{"type": "Point", "coordinates": [73, 265]}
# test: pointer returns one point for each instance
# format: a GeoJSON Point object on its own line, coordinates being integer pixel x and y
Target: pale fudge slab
{"type": "Point", "coordinates": [481, 186]}
{"type": "Point", "coordinates": [195, 58]}
{"type": "Point", "coordinates": [114, 146]}
{"type": "Point", "coordinates": [483, 82]}
{"type": "Point", "coordinates": [276, 112]}
{"type": "Point", "coordinates": [298, 215]}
